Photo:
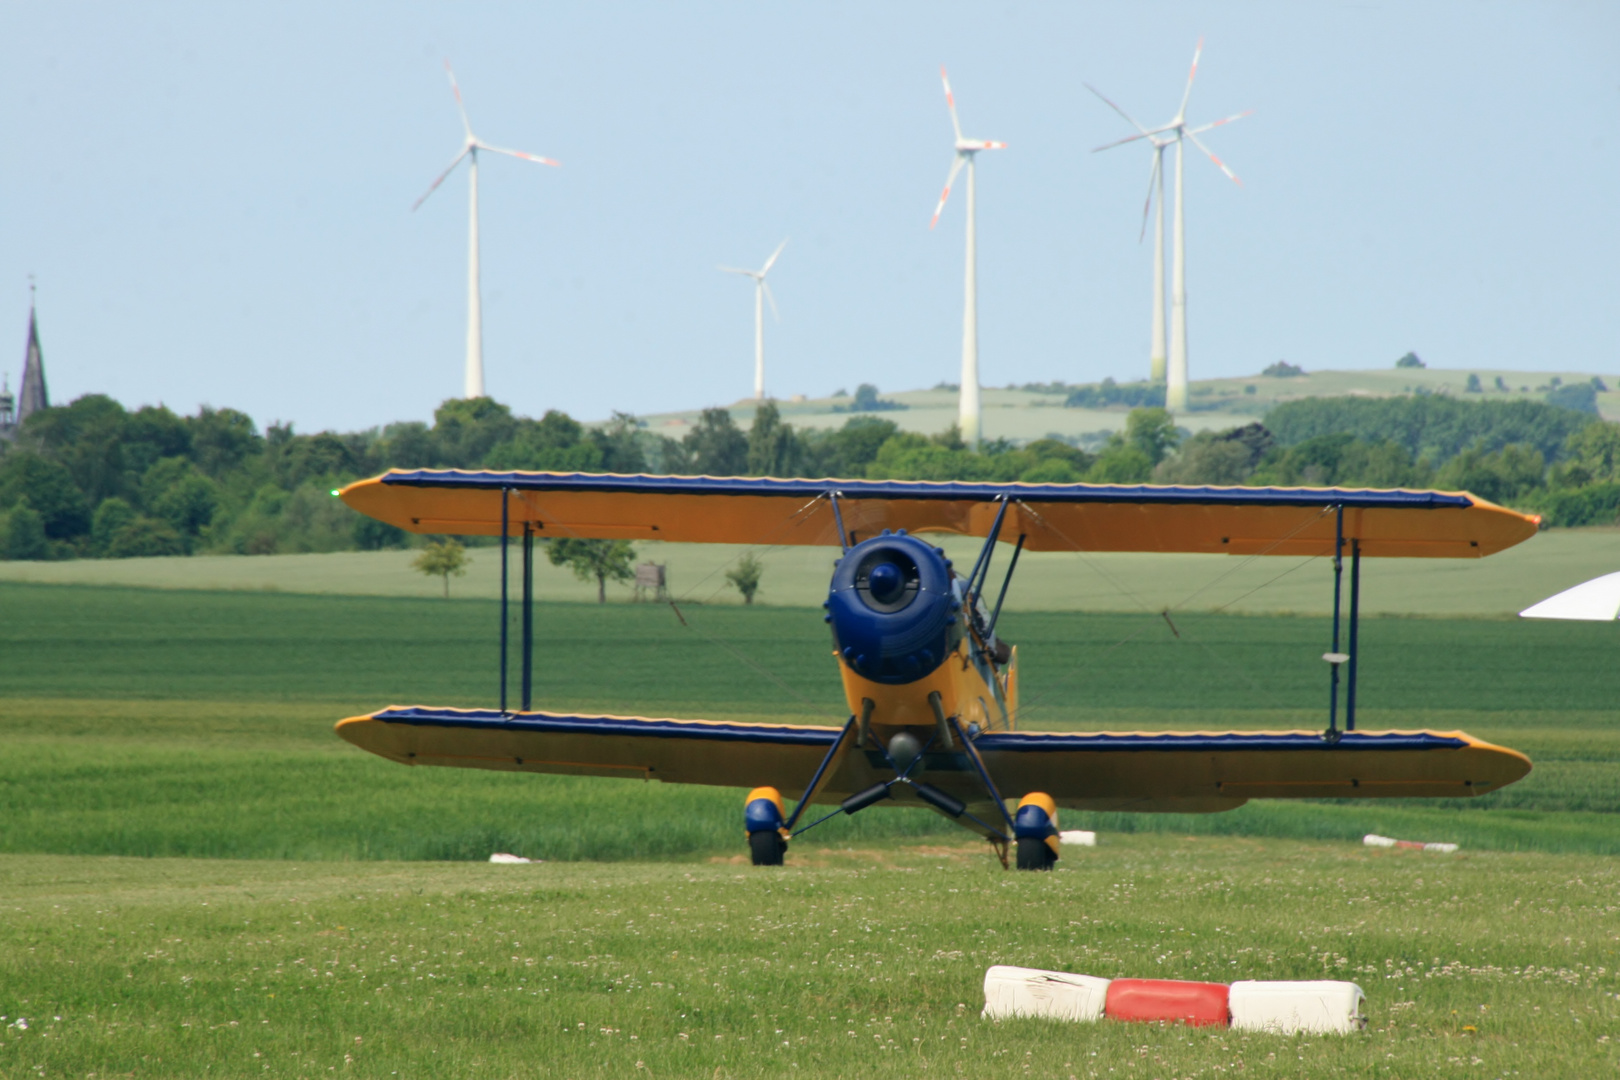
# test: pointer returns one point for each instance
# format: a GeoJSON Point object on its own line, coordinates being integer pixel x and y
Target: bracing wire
{"type": "Point", "coordinates": [753, 665]}
{"type": "Point", "coordinates": [1044, 698]}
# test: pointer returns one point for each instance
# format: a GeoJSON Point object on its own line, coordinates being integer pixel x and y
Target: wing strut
{"type": "Point", "coordinates": [528, 614]}
{"type": "Point", "coordinates": [1355, 623]}
{"type": "Point", "coordinates": [1335, 658]}
{"type": "Point", "coordinates": [1332, 734]}
{"type": "Point", "coordinates": [506, 511]}
{"type": "Point", "coordinates": [838, 516]}
{"type": "Point", "coordinates": [995, 616]}
{"type": "Point", "coordinates": [982, 563]}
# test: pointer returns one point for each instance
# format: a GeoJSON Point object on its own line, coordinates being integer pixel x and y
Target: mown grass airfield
{"type": "Point", "coordinates": [202, 879]}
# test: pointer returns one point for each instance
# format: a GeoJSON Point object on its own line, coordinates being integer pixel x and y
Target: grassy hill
{"type": "Point", "coordinates": [1023, 414]}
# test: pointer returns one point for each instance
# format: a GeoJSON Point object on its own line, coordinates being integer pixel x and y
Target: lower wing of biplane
{"type": "Point", "coordinates": [931, 688]}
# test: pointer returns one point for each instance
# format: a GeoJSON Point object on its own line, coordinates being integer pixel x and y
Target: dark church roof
{"type": "Point", "coordinates": [31, 396]}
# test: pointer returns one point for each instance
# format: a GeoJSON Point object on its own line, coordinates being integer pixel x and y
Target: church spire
{"type": "Point", "coordinates": [31, 396]}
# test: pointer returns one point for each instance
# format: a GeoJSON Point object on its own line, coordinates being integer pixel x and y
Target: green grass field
{"type": "Point", "coordinates": [144, 722]}
{"type": "Point", "coordinates": [852, 963]}
{"type": "Point", "coordinates": [290, 895]}
{"type": "Point", "coordinates": [797, 577]}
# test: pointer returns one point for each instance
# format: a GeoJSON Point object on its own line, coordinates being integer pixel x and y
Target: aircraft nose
{"type": "Point", "coordinates": [887, 581]}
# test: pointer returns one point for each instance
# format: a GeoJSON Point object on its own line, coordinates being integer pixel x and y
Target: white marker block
{"type": "Point", "coordinates": [1082, 837]}
{"type": "Point", "coordinates": [1053, 995]}
{"type": "Point", "coordinates": [503, 857]}
{"type": "Point", "coordinates": [1323, 1007]}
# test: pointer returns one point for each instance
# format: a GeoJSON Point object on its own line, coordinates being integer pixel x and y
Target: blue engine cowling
{"type": "Point", "coordinates": [894, 613]}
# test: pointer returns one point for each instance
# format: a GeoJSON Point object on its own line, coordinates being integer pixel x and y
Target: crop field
{"type": "Point", "coordinates": [1011, 413]}
{"type": "Point", "coordinates": [199, 878]}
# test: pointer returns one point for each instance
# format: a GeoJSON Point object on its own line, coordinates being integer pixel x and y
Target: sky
{"type": "Point", "coordinates": [215, 199]}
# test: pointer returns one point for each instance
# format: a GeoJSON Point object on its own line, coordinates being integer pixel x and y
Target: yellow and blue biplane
{"type": "Point", "coordinates": [932, 689]}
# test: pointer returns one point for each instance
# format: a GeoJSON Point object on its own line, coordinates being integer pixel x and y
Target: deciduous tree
{"type": "Point", "coordinates": [443, 558]}
{"type": "Point", "coordinates": [745, 575]}
{"type": "Point", "coordinates": [603, 560]}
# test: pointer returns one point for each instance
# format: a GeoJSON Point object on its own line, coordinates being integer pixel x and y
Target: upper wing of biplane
{"type": "Point", "coordinates": [1051, 517]}
{"type": "Point", "coordinates": [1158, 771]}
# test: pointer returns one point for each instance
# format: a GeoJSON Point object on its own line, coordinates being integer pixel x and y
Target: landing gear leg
{"type": "Point", "coordinates": [1000, 847]}
{"type": "Point", "coordinates": [767, 848]}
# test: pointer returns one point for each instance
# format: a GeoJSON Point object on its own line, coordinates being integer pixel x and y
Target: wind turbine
{"type": "Point", "coordinates": [762, 292]}
{"type": "Point", "coordinates": [968, 396]}
{"type": "Point", "coordinates": [475, 317]}
{"type": "Point", "coordinates": [1173, 133]}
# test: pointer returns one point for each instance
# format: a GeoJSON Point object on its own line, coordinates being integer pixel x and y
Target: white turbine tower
{"type": "Point", "coordinates": [968, 410]}
{"type": "Point", "coordinates": [1175, 132]}
{"type": "Point", "coordinates": [475, 317]}
{"type": "Point", "coordinates": [762, 292]}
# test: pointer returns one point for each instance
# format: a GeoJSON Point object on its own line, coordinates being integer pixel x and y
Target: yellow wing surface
{"type": "Point", "coordinates": [1160, 771]}
{"type": "Point", "coordinates": [1052, 517]}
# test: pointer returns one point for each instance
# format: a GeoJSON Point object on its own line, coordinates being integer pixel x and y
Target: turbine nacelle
{"type": "Point", "coordinates": [973, 146]}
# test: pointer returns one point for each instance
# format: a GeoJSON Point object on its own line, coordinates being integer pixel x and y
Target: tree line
{"type": "Point", "coordinates": [93, 479]}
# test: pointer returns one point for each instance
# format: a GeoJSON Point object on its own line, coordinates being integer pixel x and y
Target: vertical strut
{"type": "Point", "coordinates": [528, 613]}
{"type": "Point", "coordinates": [1355, 624]}
{"type": "Point", "coordinates": [995, 616]}
{"type": "Point", "coordinates": [838, 517]}
{"type": "Point", "coordinates": [505, 510]}
{"type": "Point", "coordinates": [983, 561]}
{"type": "Point", "coordinates": [1338, 591]}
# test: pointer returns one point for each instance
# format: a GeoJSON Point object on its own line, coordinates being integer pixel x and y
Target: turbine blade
{"type": "Point", "coordinates": [770, 262]}
{"type": "Point", "coordinates": [956, 167]}
{"type": "Point", "coordinates": [1219, 164]}
{"type": "Point", "coordinates": [734, 270]}
{"type": "Point", "coordinates": [1119, 142]}
{"type": "Point", "coordinates": [1153, 180]}
{"type": "Point", "coordinates": [536, 158]}
{"type": "Point", "coordinates": [763, 284]}
{"type": "Point", "coordinates": [950, 101]}
{"type": "Point", "coordinates": [460, 107]}
{"type": "Point", "coordinates": [1128, 117]}
{"type": "Point", "coordinates": [441, 177]}
{"type": "Point", "coordinates": [1223, 120]}
{"type": "Point", "coordinates": [1192, 73]}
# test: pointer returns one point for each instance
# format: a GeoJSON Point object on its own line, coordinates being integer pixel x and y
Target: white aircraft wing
{"type": "Point", "coordinates": [1597, 600]}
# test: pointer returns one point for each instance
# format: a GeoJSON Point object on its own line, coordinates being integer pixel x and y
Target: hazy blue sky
{"type": "Point", "coordinates": [216, 198]}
